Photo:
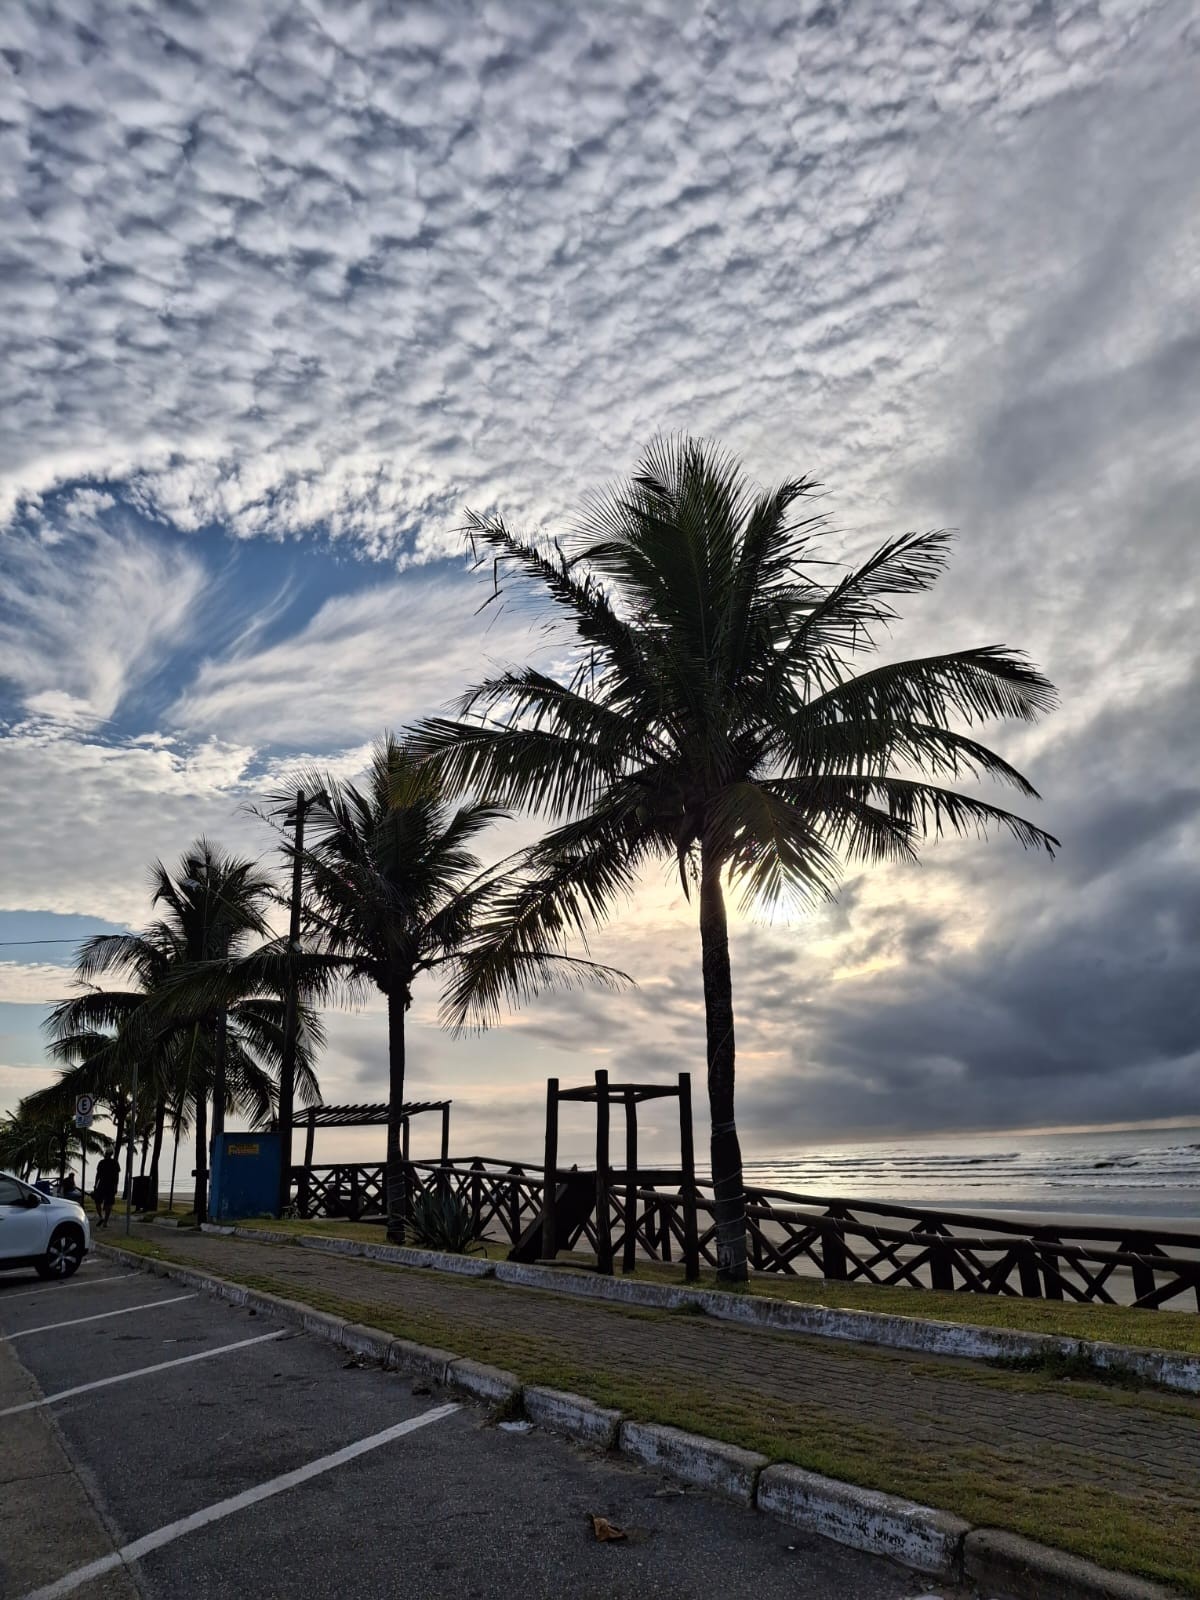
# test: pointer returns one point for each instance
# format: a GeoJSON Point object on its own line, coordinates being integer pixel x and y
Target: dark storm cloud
{"type": "Point", "coordinates": [1067, 1027]}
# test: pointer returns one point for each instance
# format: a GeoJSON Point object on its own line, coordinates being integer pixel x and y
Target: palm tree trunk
{"type": "Point", "coordinates": [178, 1119]}
{"type": "Point", "coordinates": [200, 1200]}
{"type": "Point", "coordinates": [160, 1121]}
{"type": "Point", "coordinates": [394, 1165]}
{"type": "Point", "coordinates": [729, 1195]}
{"type": "Point", "coordinates": [220, 1052]}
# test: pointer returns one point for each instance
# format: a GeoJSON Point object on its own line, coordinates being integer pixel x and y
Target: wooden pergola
{"type": "Point", "coordinates": [372, 1114]}
{"type": "Point", "coordinates": [603, 1095]}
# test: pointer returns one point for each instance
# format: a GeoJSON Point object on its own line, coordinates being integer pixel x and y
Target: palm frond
{"type": "Point", "coordinates": [803, 745]}
{"type": "Point", "coordinates": [922, 809]}
{"type": "Point", "coordinates": [989, 681]}
{"type": "Point", "coordinates": [770, 846]}
{"type": "Point", "coordinates": [515, 767]}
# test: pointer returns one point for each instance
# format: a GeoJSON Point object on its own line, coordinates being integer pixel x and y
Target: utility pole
{"type": "Point", "coordinates": [287, 1068]}
{"type": "Point", "coordinates": [132, 1137]}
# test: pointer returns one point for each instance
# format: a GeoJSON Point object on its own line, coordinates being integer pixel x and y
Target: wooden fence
{"type": "Point", "coordinates": [844, 1241]}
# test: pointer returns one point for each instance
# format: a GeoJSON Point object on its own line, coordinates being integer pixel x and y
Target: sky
{"type": "Point", "coordinates": [287, 287]}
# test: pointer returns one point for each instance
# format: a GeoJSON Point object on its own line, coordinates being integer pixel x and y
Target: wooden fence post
{"type": "Point", "coordinates": [687, 1152]}
{"type": "Point", "coordinates": [302, 1197]}
{"type": "Point", "coordinates": [941, 1266]}
{"type": "Point", "coordinates": [514, 1204]}
{"type": "Point", "coordinates": [604, 1251]}
{"type": "Point", "coordinates": [406, 1186]}
{"type": "Point", "coordinates": [833, 1249]}
{"type": "Point", "coordinates": [445, 1134]}
{"type": "Point", "coordinates": [476, 1193]}
{"type": "Point", "coordinates": [550, 1173]}
{"type": "Point", "coordinates": [1027, 1270]}
{"type": "Point", "coordinates": [629, 1254]}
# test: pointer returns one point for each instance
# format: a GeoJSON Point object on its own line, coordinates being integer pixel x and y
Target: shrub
{"type": "Point", "coordinates": [443, 1222]}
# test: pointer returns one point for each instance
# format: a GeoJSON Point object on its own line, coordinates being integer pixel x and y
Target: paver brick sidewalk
{"type": "Point", "coordinates": [1101, 1471]}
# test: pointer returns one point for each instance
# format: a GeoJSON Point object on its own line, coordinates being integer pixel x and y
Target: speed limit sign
{"type": "Point", "coordinates": [85, 1110]}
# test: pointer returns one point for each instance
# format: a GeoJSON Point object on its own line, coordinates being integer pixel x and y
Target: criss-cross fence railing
{"type": "Point", "coordinates": [845, 1241]}
{"type": "Point", "coordinates": [344, 1189]}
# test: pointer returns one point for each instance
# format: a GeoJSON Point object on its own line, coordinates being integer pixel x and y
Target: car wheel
{"type": "Point", "coordinates": [63, 1253]}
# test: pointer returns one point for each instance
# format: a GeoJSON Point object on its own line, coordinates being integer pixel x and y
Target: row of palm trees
{"type": "Point", "coordinates": [707, 715]}
{"type": "Point", "coordinates": [155, 1030]}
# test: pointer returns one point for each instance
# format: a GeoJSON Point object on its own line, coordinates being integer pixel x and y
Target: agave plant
{"type": "Point", "coordinates": [443, 1221]}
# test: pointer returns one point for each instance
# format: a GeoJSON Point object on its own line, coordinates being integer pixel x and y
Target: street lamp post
{"type": "Point", "coordinates": [287, 1067]}
{"type": "Point", "coordinates": [132, 1136]}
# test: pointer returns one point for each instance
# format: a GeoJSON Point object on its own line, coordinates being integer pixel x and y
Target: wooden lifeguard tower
{"type": "Point", "coordinates": [573, 1199]}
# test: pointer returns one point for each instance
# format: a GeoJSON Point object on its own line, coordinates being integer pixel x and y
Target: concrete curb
{"type": "Point", "coordinates": [916, 1536]}
{"type": "Point", "coordinates": [489, 1384]}
{"type": "Point", "coordinates": [919, 1537]}
{"type": "Point", "coordinates": [399, 1255]}
{"type": "Point", "coordinates": [707, 1464]}
{"type": "Point", "coordinates": [1010, 1564]}
{"type": "Point", "coordinates": [1167, 1368]}
{"type": "Point", "coordinates": [572, 1415]}
{"type": "Point", "coordinates": [423, 1360]}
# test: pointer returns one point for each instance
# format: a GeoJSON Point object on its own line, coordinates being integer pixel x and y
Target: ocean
{"type": "Point", "coordinates": [1125, 1174]}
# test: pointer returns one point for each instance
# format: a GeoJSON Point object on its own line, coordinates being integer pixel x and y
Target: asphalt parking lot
{"type": "Point", "coordinates": [223, 1456]}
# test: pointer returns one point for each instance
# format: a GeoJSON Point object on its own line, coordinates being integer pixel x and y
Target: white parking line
{"type": "Point", "coordinates": [125, 1311]}
{"type": "Point", "coordinates": [78, 1283]}
{"type": "Point", "coordinates": [141, 1372]}
{"type": "Point", "coordinates": [225, 1508]}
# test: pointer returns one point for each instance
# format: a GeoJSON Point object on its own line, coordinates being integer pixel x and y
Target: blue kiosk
{"type": "Point", "coordinates": [245, 1176]}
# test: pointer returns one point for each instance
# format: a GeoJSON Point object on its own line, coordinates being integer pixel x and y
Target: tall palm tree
{"type": "Point", "coordinates": [392, 891]}
{"type": "Point", "coordinates": [713, 718]}
{"type": "Point", "coordinates": [186, 1044]}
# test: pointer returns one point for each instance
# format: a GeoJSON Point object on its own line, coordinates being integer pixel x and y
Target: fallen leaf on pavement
{"type": "Point", "coordinates": [606, 1532]}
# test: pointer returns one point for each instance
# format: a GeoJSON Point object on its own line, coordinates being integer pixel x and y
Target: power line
{"type": "Point", "coordinates": [79, 940]}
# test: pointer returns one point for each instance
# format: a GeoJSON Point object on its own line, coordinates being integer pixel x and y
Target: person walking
{"type": "Point", "coordinates": [108, 1178]}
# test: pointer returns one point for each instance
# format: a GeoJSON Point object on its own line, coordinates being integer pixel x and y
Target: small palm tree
{"type": "Point", "coordinates": [712, 718]}
{"type": "Point", "coordinates": [34, 1140]}
{"type": "Point", "coordinates": [392, 891]}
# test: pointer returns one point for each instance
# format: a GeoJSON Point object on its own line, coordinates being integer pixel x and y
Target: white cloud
{"type": "Point", "coordinates": [88, 612]}
{"type": "Point", "coordinates": [34, 983]}
{"type": "Point", "coordinates": [89, 818]}
{"type": "Point", "coordinates": [309, 268]}
{"type": "Point", "coordinates": [364, 662]}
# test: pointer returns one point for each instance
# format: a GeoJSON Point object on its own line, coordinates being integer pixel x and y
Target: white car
{"type": "Point", "coordinates": [40, 1230]}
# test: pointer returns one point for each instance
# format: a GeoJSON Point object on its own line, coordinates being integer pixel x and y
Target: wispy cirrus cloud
{"type": "Point", "coordinates": [88, 611]}
{"type": "Point", "coordinates": [373, 659]}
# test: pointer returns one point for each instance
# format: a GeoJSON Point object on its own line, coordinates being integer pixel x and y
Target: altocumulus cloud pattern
{"type": "Point", "coordinates": [286, 267]}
